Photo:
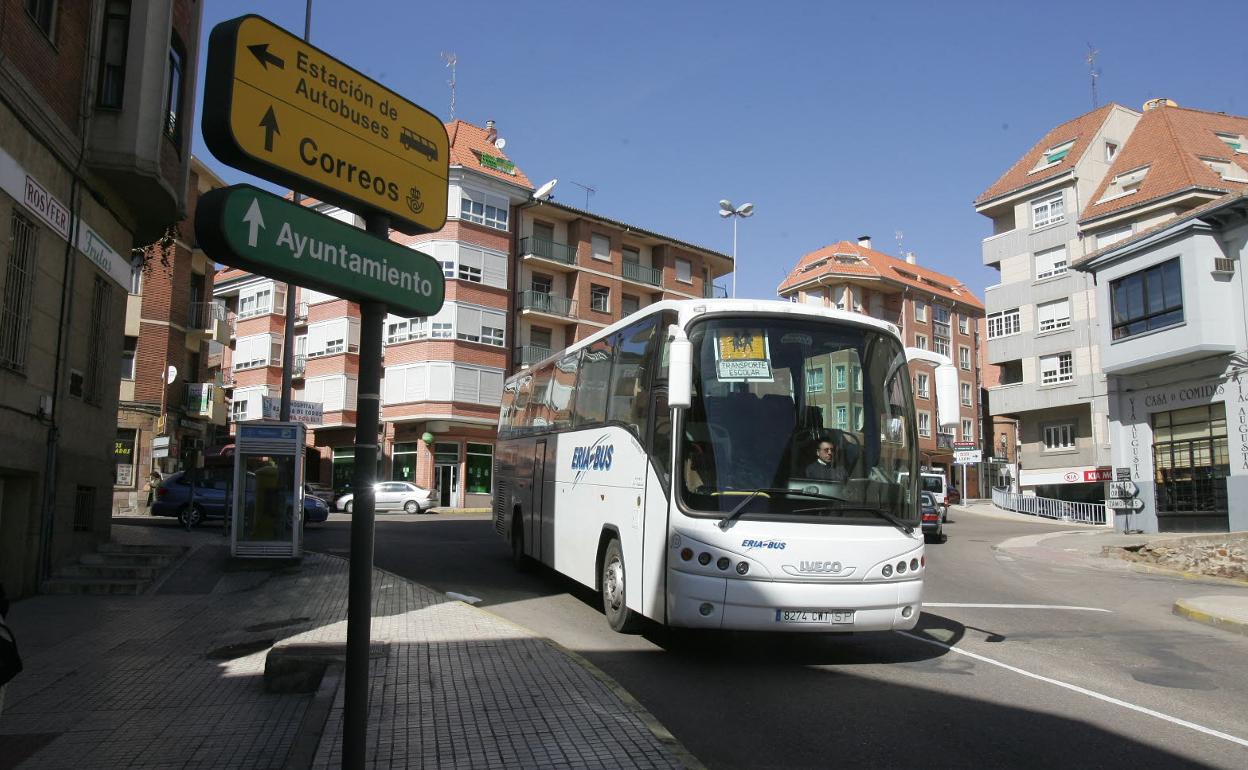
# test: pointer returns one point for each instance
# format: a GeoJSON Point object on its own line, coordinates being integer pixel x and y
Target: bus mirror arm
{"type": "Point", "coordinates": [679, 368]}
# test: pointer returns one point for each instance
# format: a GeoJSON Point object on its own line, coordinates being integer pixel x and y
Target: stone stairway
{"type": "Point", "coordinates": [114, 568]}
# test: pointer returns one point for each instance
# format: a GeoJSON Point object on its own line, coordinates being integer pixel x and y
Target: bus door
{"type": "Point", "coordinates": [541, 523]}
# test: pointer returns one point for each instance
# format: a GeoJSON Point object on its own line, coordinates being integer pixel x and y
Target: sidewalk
{"type": "Point", "coordinates": [175, 678]}
{"type": "Point", "coordinates": [1083, 545]}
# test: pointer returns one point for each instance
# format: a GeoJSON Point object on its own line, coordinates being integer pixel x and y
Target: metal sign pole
{"type": "Point", "coordinates": [359, 592]}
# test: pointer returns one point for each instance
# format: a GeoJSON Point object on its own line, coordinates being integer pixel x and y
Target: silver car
{"type": "Point", "coordinates": [394, 496]}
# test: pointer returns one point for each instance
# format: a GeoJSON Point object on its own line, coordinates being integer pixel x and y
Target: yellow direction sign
{"type": "Point", "coordinates": [285, 111]}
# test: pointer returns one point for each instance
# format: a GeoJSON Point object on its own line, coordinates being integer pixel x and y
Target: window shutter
{"type": "Point", "coordinates": [392, 391]}
{"type": "Point", "coordinates": [467, 384]}
{"type": "Point", "coordinates": [492, 388]}
{"type": "Point", "coordinates": [471, 257]}
{"type": "Point", "coordinates": [494, 270]}
{"type": "Point", "coordinates": [468, 321]}
{"type": "Point", "coordinates": [440, 382]}
{"type": "Point", "coordinates": [350, 394]}
{"type": "Point", "coordinates": [417, 383]}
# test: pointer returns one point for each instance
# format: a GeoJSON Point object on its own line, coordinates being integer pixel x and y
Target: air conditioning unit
{"type": "Point", "coordinates": [1223, 265]}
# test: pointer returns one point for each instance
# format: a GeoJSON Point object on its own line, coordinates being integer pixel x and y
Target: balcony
{"type": "Point", "coordinates": [528, 355]}
{"type": "Point", "coordinates": [711, 291]}
{"type": "Point", "coordinates": [301, 313]}
{"type": "Point", "coordinates": [944, 441]}
{"type": "Point", "coordinates": [206, 321]}
{"type": "Point", "coordinates": [638, 273]}
{"type": "Point", "coordinates": [299, 366]}
{"type": "Point", "coordinates": [205, 401]}
{"type": "Point", "coordinates": [551, 251]}
{"type": "Point", "coordinates": [547, 304]}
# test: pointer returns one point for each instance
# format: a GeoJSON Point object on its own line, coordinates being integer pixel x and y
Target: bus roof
{"type": "Point", "coordinates": [687, 310]}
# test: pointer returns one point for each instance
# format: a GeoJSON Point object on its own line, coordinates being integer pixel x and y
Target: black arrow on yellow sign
{"type": "Point", "coordinates": [269, 124]}
{"type": "Point", "coordinates": [261, 52]}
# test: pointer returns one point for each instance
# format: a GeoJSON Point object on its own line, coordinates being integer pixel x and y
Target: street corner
{"type": "Point", "coordinates": [1228, 612]}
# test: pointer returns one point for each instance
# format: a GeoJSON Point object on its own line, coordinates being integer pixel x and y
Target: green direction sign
{"type": "Point", "coordinates": [248, 228]}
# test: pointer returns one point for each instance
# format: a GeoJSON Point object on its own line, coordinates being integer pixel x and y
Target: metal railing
{"type": "Point", "coordinates": [944, 440]}
{"type": "Point", "coordinates": [633, 271]}
{"type": "Point", "coordinates": [547, 303]}
{"type": "Point", "coordinates": [299, 365]}
{"type": "Point", "coordinates": [552, 250]}
{"type": "Point", "coordinates": [1064, 510]}
{"type": "Point", "coordinates": [711, 291]}
{"type": "Point", "coordinates": [527, 355]}
{"type": "Point", "coordinates": [201, 315]}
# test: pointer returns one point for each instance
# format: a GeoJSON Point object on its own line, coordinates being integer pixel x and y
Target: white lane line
{"type": "Point", "coordinates": [1016, 606]}
{"type": "Point", "coordinates": [1083, 691]}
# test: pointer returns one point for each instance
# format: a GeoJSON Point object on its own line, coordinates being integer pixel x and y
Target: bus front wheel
{"type": "Point", "coordinates": [614, 603]}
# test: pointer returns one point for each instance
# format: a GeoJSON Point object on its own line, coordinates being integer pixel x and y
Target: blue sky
{"type": "Point", "coordinates": [835, 120]}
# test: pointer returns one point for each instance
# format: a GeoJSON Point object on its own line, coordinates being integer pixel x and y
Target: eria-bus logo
{"type": "Point", "coordinates": [775, 545]}
{"type": "Point", "coordinates": [595, 457]}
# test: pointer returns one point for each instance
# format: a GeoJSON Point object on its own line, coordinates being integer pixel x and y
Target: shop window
{"type": "Point", "coordinates": [404, 461]}
{"type": "Point", "coordinates": [480, 468]}
{"type": "Point", "coordinates": [1191, 460]}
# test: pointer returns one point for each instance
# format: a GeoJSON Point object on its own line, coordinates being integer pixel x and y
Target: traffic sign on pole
{"type": "Point", "coordinates": [281, 109]}
{"type": "Point", "coordinates": [1124, 503]}
{"type": "Point", "coordinates": [243, 226]}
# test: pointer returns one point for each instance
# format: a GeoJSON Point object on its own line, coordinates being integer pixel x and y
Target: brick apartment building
{"type": "Point", "coordinates": [96, 102]}
{"type": "Point", "coordinates": [523, 278]}
{"type": "Point", "coordinates": [165, 392]}
{"type": "Point", "coordinates": [933, 311]}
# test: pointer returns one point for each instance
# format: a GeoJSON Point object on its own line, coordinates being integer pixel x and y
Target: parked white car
{"type": "Point", "coordinates": [394, 496]}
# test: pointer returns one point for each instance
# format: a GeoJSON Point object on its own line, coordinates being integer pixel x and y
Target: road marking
{"type": "Point", "coordinates": [1016, 606]}
{"type": "Point", "coordinates": [463, 597]}
{"type": "Point", "coordinates": [1082, 690]}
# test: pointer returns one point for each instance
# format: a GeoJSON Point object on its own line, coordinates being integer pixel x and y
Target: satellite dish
{"type": "Point", "coordinates": [544, 191]}
{"type": "Point", "coordinates": [171, 374]}
{"type": "Point", "coordinates": [500, 143]}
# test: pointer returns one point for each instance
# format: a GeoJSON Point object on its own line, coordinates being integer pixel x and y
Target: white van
{"type": "Point", "coordinates": [936, 484]}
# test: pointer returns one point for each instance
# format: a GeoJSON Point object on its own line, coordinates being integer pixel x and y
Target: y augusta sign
{"type": "Point", "coordinates": [245, 227]}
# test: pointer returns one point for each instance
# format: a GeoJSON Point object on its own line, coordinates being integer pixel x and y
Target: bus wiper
{"type": "Point", "coordinates": [739, 510]}
{"type": "Point", "coordinates": [883, 514]}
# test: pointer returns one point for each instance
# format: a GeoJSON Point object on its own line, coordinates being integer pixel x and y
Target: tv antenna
{"type": "Point", "coordinates": [1093, 71]}
{"type": "Point", "coordinates": [900, 236]}
{"type": "Point", "coordinates": [450, 60]}
{"type": "Point", "coordinates": [588, 191]}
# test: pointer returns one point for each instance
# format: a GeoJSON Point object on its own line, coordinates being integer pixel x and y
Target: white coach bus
{"type": "Point", "coordinates": [678, 462]}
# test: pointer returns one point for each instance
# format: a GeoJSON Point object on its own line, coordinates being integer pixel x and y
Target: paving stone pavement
{"type": "Point", "coordinates": [174, 679]}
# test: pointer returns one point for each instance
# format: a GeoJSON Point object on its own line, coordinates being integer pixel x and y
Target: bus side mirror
{"type": "Point", "coordinates": [679, 369]}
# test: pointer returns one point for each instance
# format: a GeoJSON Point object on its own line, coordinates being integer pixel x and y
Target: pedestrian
{"type": "Point", "coordinates": [153, 481]}
{"type": "Point", "coordinates": [10, 661]}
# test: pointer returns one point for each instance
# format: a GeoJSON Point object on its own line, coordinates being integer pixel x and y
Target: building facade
{"type": "Point", "coordinates": [169, 408]}
{"type": "Point", "coordinates": [95, 107]}
{"type": "Point", "coordinates": [932, 311]}
{"type": "Point", "coordinates": [524, 277]}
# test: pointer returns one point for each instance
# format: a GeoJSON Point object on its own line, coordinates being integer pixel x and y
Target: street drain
{"type": "Point", "coordinates": [240, 649]}
{"type": "Point", "coordinates": [276, 624]}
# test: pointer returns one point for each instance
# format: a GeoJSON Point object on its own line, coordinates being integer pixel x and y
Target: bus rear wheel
{"type": "Point", "coordinates": [614, 602]}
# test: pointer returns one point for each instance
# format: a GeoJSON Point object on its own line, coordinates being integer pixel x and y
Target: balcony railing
{"type": "Point", "coordinates": [641, 274]}
{"type": "Point", "coordinates": [301, 312]}
{"type": "Point", "coordinates": [711, 291]}
{"type": "Point", "coordinates": [944, 441]}
{"type": "Point", "coordinates": [299, 366]}
{"type": "Point", "coordinates": [528, 355]}
{"type": "Point", "coordinates": [203, 315]}
{"type": "Point", "coordinates": [547, 303]}
{"type": "Point", "coordinates": [552, 250]}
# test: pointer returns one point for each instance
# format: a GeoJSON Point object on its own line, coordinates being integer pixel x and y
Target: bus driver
{"type": "Point", "coordinates": [825, 467]}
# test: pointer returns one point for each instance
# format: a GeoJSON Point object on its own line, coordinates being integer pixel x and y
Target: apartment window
{"type": "Point", "coordinates": [1060, 436]}
{"type": "Point", "coordinates": [968, 432]}
{"type": "Point", "coordinates": [601, 246]}
{"type": "Point", "coordinates": [920, 341]}
{"type": "Point", "coordinates": [492, 335]}
{"type": "Point", "coordinates": [1054, 155]}
{"type": "Point", "coordinates": [922, 379]}
{"type": "Point", "coordinates": [19, 284]}
{"type": "Point", "coordinates": [93, 384]}
{"type": "Point", "coordinates": [599, 298]}
{"type": "Point", "coordinates": [1235, 141]}
{"type": "Point", "coordinates": [964, 324]}
{"type": "Point", "coordinates": [84, 509]}
{"type": "Point", "coordinates": [840, 378]}
{"type": "Point", "coordinates": [1125, 184]}
{"type": "Point", "coordinates": [43, 12]}
{"type": "Point", "coordinates": [483, 208]}
{"type": "Point", "coordinates": [127, 357]}
{"type": "Point", "coordinates": [941, 345]}
{"type": "Point", "coordinates": [113, 54]}
{"type": "Point", "coordinates": [1003, 324]}
{"type": "Point", "coordinates": [469, 272]}
{"type": "Point", "coordinates": [964, 358]}
{"type": "Point", "coordinates": [261, 302]}
{"type": "Point", "coordinates": [856, 373]}
{"type": "Point", "coordinates": [925, 424]}
{"type": "Point", "coordinates": [629, 304]}
{"type": "Point", "coordinates": [441, 331]}
{"type": "Point", "coordinates": [1111, 151]}
{"type": "Point", "coordinates": [539, 336]}
{"type": "Point", "coordinates": [1147, 300]}
{"type": "Point", "coordinates": [631, 256]}
{"type": "Point", "coordinates": [542, 284]}
{"type": "Point", "coordinates": [684, 271]}
{"type": "Point", "coordinates": [1050, 262]}
{"type": "Point", "coordinates": [857, 418]}
{"type": "Point", "coordinates": [1048, 211]}
{"type": "Point", "coordinates": [1052, 316]}
{"type": "Point", "coordinates": [173, 96]}
{"type": "Point", "coordinates": [1110, 237]}
{"type": "Point", "coordinates": [842, 416]}
{"type": "Point", "coordinates": [136, 277]}
{"type": "Point", "coordinates": [920, 311]}
{"type": "Point", "coordinates": [966, 393]}
{"type": "Point", "coordinates": [238, 408]}
{"type": "Point", "coordinates": [814, 381]}
{"type": "Point", "coordinates": [1057, 369]}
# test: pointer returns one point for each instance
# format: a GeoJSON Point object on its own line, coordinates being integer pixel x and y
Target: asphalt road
{"type": "Point", "coordinates": [1089, 668]}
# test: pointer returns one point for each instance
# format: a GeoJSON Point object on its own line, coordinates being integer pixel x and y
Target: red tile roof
{"type": "Point", "coordinates": [468, 143]}
{"type": "Point", "coordinates": [1217, 203]}
{"type": "Point", "coordinates": [876, 265]}
{"type": "Point", "coordinates": [1171, 141]}
{"type": "Point", "coordinates": [1081, 130]}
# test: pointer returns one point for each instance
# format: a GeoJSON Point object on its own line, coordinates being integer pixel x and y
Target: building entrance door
{"type": "Point", "coordinates": [448, 484]}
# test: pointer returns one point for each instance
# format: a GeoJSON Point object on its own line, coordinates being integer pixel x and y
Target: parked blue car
{"type": "Point", "coordinates": [173, 498]}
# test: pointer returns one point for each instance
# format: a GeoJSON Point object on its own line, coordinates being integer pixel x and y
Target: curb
{"type": "Point", "coordinates": [1183, 609]}
{"type": "Point", "coordinates": [1195, 577]}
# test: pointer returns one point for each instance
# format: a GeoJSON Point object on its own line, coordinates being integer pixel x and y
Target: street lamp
{"type": "Point", "coordinates": [740, 212]}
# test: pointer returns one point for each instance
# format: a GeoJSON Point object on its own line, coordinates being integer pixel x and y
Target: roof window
{"type": "Point", "coordinates": [1235, 141]}
{"type": "Point", "coordinates": [1054, 155]}
{"type": "Point", "coordinates": [1125, 184]}
{"type": "Point", "coordinates": [1227, 170]}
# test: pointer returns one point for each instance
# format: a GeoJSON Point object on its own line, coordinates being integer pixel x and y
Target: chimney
{"type": "Point", "coordinates": [864, 241]}
{"type": "Point", "coordinates": [910, 258]}
{"type": "Point", "coordinates": [491, 133]}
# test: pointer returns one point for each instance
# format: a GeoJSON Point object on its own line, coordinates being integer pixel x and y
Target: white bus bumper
{"type": "Point", "coordinates": [698, 601]}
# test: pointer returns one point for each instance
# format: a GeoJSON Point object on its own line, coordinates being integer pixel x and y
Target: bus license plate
{"type": "Point", "coordinates": [814, 616]}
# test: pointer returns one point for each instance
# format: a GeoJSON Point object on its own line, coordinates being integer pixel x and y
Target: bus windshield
{"type": "Point", "coordinates": [815, 413]}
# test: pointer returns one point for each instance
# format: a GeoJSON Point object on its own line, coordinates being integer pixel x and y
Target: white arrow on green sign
{"type": "Point", "coordinates": [245, 227]}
